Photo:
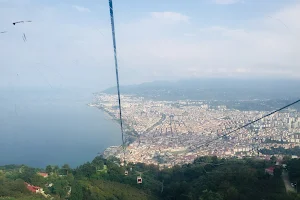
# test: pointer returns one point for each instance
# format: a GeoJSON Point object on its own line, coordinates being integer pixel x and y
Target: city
{"type": "Point", "coordinates": [167, 133]}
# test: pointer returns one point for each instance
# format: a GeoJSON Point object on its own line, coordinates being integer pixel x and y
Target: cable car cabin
{"type": "Point", "coordinates": [126, 173]}
{"type": "Point", "coordinates": [139, 180]}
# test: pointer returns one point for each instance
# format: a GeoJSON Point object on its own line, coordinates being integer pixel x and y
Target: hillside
{"type": "Point", "coordinates": [206, 178]}
{"type": "Point", "coordinates": [213, 89]}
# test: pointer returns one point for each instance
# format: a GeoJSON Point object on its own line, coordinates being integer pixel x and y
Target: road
{"type": "Point", "coordinates": [287, 182]}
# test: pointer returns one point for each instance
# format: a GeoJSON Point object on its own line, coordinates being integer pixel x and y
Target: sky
{"type": "Point", "coordinates": [69, 43]}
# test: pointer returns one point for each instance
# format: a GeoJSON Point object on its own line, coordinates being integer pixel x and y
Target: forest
{"type": "Point", "coordinates": [207, 178]}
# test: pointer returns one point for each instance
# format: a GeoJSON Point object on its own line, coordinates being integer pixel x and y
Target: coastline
{"type": "Point", "coordinates": [131, 133]}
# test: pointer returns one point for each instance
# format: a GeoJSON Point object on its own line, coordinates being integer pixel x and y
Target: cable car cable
{"type": "Point", "coordinates": [117, 72]}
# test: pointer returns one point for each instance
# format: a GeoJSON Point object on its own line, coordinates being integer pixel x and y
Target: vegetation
{"type": "Point", "coordinates": [281, 150]}
{"type": "Point", "coordinates": [14, 188]}
{"type": "Point", "coordinates": [275, 141]}
{"type": "Point", "coordinates": [207, 178]}
{"type": "Point", "coordinates": [294, 171]}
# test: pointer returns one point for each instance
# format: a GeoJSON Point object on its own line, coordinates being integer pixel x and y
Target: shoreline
{"type": "Point", "coordinates": [131, 133]}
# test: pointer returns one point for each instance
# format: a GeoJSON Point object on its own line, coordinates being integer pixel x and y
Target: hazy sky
{"type": "Point", "coordinates": [69, 42]}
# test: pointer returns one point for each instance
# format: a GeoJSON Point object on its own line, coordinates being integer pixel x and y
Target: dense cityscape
{"type": "Point", "coordinates": [166, 133]}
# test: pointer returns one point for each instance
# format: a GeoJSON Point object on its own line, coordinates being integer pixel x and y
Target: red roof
{"type": "Point", "coordinates": [270, 169]}
{"type": "Point", "coordinates": [31, 187]}
{"type": "Point", "coordinates": [43, 174]}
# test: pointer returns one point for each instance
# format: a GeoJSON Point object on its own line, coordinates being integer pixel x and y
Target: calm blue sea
{"type": "Point", "coordinates": [39, 127]}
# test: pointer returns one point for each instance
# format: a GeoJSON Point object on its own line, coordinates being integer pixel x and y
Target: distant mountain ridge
{"type": "Point", "coordinates": [214, 89]}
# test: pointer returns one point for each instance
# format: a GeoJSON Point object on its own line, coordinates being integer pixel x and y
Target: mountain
{"type": "Point", "coordinates": [214, 89]}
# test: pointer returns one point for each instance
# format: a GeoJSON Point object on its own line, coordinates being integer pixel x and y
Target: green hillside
{"type": "Point", "coordinates": [208, 178]}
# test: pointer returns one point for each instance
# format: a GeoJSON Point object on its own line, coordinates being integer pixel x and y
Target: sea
{"type": "Point", "coordinates": [53, 127]}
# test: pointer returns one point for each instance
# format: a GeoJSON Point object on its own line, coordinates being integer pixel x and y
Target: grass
{"type": "Point", "coordinates": [104, 170]}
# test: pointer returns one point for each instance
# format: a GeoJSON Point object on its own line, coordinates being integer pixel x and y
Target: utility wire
{"type": "Point", "coordinates": [117, 71]}
{"type": "Point", "coordinates": [245, 125]}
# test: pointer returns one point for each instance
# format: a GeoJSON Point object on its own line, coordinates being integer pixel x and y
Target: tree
{"type": "Point", "coordinates": [286, 158]}
{"type": "Point", "coordinates": [232, 194]}
{"type": "Point", "coordinates": [98, 162]}
{"type": "Point", "coordinates": [60, 187]}
{"type": "Point", "coordinates": [70, 178]}
{"type": "Point", "coordinates": [66, 168]}
{"type": "Point", "coordinates": [76, 193]}
{"type": "Point", "coordinates": [214, 159]}
{"type": "Point", "coordinates": [38, 180]}
{"type": "Point", "coordinates": [209, 195]}
{"type": "Point", "coordinates": [277, 172]}
{"type": "Point", "coordinates": [49, 169]}
{"type": "Point", "coordinates": [273, 159]}
{"type": "Point", "coordinates": [55, 169]}
{"type": "Point", "coordinates": [27, 174]}
{"type": "Point", "coordinates": [87, 170]}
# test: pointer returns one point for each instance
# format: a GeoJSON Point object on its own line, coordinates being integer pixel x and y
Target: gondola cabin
{"type": "Point", "coordinates": [139, 180]}
{"type": "Point", "coordinates": [126, 173]}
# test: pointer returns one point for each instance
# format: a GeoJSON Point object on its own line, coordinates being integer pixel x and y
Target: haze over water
{"type": "Point", "coordinates": [38, 128]}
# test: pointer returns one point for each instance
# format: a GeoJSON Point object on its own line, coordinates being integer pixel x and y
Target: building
{"type": "Point", "coordinates": [34, 189]}
{"type": "Point", "coordinates": [45, 175]}
{"type": "Point", "coordinates": [270, 170]}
